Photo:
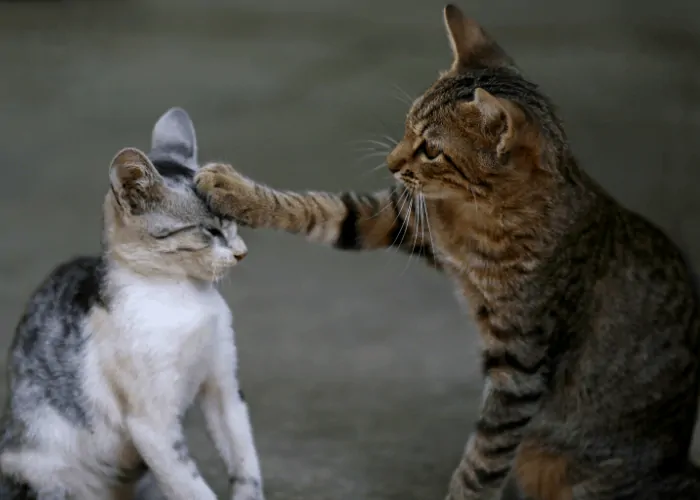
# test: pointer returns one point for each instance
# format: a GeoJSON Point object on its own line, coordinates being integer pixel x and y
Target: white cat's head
{"type": "Point", "coordinates": [154, 221]}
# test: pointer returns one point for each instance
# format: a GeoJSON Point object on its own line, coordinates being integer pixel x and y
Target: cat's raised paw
{"type": "Point", "coordinates": [215, 176]}
{"type": "Point", "coordinates": [226, 191]}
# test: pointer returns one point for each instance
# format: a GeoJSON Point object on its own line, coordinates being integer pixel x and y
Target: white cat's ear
{"type": "Point", "coordinates": [174, 139]}
{"type": "Point", "coordinates": [134, 180]}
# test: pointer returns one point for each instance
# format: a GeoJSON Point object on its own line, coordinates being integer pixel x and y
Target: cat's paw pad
{"type": "Point", "coordinates": [247, 489]}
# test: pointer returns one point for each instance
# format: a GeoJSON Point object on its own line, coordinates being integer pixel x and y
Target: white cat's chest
{"type": "Point", "coordinates": [174, 311]}
{"type": "Point", "coordinates": [169, 331]}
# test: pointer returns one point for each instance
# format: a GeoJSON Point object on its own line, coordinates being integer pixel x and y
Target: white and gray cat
{"type": "Point", "coordinates": [112, 350]}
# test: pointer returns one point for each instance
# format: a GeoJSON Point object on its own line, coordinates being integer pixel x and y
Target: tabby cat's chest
{"type": "Point", "coordinates": [467, 251]}
{"type": "Point", "coordinates": [487, 270]}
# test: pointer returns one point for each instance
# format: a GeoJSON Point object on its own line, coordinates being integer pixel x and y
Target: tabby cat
{"type": "Point", "coordinates": [111, 350]}
{"type": "Point", "coordinates": [587, 312]}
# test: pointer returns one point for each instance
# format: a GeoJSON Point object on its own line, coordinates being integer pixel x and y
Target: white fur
{"type": "Point", "coordinates": [162, 343]}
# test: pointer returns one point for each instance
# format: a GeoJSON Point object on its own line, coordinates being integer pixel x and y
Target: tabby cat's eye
{"type": "Point", "coordinates": [429, 151]}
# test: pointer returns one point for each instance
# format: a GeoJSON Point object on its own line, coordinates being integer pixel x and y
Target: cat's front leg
{"type": "Point", "coordinates": [160, 440]}
{"type": "Point", "coordinates": [512, 395]}
{"type": "Point", "coordinates": [226, 413]}
{"type": "Point", "coordinates": [346, 221]}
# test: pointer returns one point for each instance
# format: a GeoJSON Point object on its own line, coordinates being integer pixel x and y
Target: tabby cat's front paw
{"type": "Point", "coordinates": [227, 192]}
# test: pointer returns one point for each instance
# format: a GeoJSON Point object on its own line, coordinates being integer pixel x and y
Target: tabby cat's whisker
{"type": "Point", "coordinates": [427, 223]}
{"type": "Point", "coordinates": [362, 142]}
{"type": "Point", "coordinates": [374, 154]}
{"type": "Point", "coordinates": [380, 143]}
{"type": "Point", "coordinates": [371, 149]}
{"type": "Point", "coordinates": [417, 230]}
{"type": "Point", "coordinates": [374, 169]}
{"type": "Point", "coordinates": [419, 207]}
{"type": "Point", "coordinates": [400, 202]}
{"type": "Point", "coordinates": [403, 96]}
{"type": "Point", "coordinates": [390, 139]}
{"type": "Point", "coordinates": [404, 224]}
{"type": "Point", "coordinates": [388, 205]}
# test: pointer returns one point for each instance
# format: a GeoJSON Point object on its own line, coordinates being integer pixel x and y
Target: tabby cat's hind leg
{"type": "Point", "coordinates": [511, 490]}
{"type": "Point", "coordinates": [540, 474]}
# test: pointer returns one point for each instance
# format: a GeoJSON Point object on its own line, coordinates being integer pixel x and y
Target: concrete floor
{"type": "Point", "coordinates": [360, 369]}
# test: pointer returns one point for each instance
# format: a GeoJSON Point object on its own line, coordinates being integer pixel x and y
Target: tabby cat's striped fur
{"type": "Point", "coordinates": [587, 312]}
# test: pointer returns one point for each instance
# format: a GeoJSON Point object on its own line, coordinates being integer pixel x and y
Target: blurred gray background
{"type": "Point", "coordinates": [361, 370]}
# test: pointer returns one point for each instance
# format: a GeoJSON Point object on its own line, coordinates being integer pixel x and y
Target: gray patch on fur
{"type": "Point", "coordinates": [47, 352]}
{"type": "Point", "coordinates": [148, 489]}
{"type": "Point", "coordinates": [174, 139]}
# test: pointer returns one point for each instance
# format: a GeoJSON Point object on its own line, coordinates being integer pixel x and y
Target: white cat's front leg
{"type": "Point", "coordinates": [153, 405]}
{"type": "Point", "coordinates": [226, 413]}
{"type": "Point", "coordinates": [161, 443]}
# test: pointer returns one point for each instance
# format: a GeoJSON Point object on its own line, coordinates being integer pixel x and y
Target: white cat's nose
{"type": "Point", "coordinates": [239, 249]}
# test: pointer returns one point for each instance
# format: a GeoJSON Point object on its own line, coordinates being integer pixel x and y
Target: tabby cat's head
{"type": "Point", "coordinates": [481, 131]}
{"type": "Point", "coordinates": [154, 221]}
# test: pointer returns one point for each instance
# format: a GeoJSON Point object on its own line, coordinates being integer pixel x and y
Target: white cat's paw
{"type": "Point", "coordinates": [247, 489]}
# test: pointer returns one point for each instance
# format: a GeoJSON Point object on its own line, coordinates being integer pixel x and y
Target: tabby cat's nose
{"type": "Point", "coordinates": [239, 257]}
{"type": "Point", "coordinates": [395, 165]}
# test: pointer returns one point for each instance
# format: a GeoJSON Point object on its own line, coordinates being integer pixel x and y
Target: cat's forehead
{"type": "Point", "coordinates": [442, 95]}
{"type": "Point", "coordinates": [181, 202]}
{"type": "Point", "coordinates": [458, 87]}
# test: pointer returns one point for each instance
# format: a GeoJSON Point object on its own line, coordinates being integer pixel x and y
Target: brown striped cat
{"type": "Point", "coordinates": [588, 313]}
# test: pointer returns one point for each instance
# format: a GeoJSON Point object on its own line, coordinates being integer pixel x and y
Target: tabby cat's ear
{"type": "Point", "coordinates": [134, 180]}
{"type": "Point", "coordinates": [174, 139]}
{"type": "Point", "coordinates": [472, 47]}
{"type": "Point", "coordinates": [500, 120]}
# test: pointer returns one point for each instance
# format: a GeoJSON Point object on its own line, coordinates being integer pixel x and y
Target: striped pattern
{"type": "Point", "coordinates": [516, 372]}
{"type": "Point", "coordinates": [346, 221]}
